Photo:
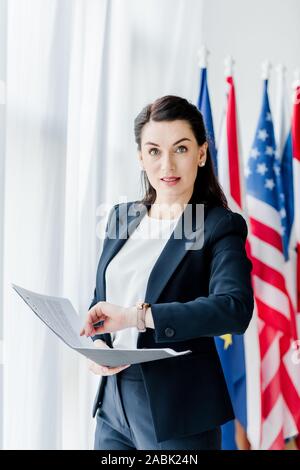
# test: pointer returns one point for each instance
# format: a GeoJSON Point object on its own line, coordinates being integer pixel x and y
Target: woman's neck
{"type": "Point", "coordinates": [165, 211]}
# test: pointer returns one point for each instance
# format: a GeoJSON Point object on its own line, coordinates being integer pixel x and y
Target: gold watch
{"type": "Point", "coordinates": [141, 313]}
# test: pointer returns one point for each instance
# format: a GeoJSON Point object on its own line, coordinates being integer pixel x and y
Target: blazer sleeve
{"type": "Point", "coordinates": [229, 305]}
{"type": "Point", "coordinates": [94, 301]}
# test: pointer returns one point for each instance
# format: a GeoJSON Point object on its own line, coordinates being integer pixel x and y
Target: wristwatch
{"type": "Point", "coordinates": [141, 313]}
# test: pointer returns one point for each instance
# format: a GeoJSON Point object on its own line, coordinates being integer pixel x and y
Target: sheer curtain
{"type": "Point", "coordinates": [76, 74]}
{"type": "Point", "coordinates": [2, 147]}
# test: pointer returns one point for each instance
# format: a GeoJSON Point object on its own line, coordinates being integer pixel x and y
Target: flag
{"type": "Point", "coordinates": [295, 136]}
{"type": "Point", "coordinates": [231, 352]}
{"type": "Point", "coordinates": [284, 180]}
{"type": "Point", "coordinates": [284, 174]}
{"type": "Point", "coordinates": [279, 397]}
{"type": "Point", "coordinates": [230, 167]}
{"type": "Point", "coordinates": [285, 184]}
{"type": "Point", "coordinates": [231, 347]}
{"type": "Point", "coordinates": [205, 109]}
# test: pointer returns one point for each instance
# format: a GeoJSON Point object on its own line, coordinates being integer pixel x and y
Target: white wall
{"type": "Point", "coordinates": [251, 31]}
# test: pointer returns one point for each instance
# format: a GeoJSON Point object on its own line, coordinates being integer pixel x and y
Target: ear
{"type": "Point", "coordinates": [202, 154]}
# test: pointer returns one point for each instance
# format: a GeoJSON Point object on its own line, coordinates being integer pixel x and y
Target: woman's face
{"type": "Point", "coordinates": [169, 149]}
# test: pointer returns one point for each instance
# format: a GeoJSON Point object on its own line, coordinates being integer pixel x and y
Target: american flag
{"type": "Point", "coordinates": [280, 401]}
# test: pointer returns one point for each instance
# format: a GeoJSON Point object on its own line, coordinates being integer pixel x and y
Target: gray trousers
{"type": "Point", "coordinates": [124, 421]}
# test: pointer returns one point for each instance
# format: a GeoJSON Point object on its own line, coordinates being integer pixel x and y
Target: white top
{"type": "Point", "coordinates": [127, 274]}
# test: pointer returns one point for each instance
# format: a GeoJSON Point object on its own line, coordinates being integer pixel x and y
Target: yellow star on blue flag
{"type": "Point", "coordinates": [227, 340]}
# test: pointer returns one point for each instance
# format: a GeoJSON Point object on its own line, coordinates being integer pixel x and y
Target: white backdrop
{"type": "Point", "coordinates": [251, 31]}
{"type": "Point", "coordinates": [77, 73]}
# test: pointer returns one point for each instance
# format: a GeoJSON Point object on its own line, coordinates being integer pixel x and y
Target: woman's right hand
{"type": "Point", "coordinates": [103, 370]}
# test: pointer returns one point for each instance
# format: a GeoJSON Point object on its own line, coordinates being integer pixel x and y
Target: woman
{"type": "Point", "coordinates": [191, 292]}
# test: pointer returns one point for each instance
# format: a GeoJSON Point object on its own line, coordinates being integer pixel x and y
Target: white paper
{"type": "Point", "coordinates": [60, 316]}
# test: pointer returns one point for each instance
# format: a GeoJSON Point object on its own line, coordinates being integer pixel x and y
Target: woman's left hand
{"type": "Point", "coordinates": [114, 318]}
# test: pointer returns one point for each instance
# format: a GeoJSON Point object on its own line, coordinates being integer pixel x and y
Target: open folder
{"type": "Point", "coordinates": [60, 316]}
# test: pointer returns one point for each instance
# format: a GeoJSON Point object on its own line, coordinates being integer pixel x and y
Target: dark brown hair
{"type": "Point", "coordinates": [170, 108]}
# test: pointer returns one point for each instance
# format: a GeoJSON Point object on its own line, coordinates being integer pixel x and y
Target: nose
{"type": "Point", "coordinates": [167, 162]}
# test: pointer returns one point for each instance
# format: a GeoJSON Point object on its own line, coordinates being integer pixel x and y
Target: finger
{"type": "Point", "coordinates": [95, 314]}
{"type": "Point", "coordinates": [112, 370]}
{"type": "Point", "coordinates": [90, 329]}
{"type": "Point", "coordinates": [99, 343]}
{"type": "Point", "coordinates": [104, 370]}
{"type": "Point", "coordinates": [107, 328]}
{"type": "Point", "coordinates": [98, 369]}
{"type": "Point", "coordinates": [119, 368]}
{"type": "Point", "coordinates": [94, 366]}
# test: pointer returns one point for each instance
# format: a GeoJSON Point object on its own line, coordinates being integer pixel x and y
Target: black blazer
{"type": "Point", "coordinates": [194, 296]}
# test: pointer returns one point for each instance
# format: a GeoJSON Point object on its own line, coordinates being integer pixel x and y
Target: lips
{"type": "Point", "coordinates": [170, 179]}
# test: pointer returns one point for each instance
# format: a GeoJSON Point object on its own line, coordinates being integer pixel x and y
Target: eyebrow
{"type": "Point", "coordinates": [180, 140]}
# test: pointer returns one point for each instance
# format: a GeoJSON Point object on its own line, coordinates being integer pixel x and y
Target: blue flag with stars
{"type": "Point", "coordinates": [231, 352]}
{"type": "Point", "coordinates": [205, 109]}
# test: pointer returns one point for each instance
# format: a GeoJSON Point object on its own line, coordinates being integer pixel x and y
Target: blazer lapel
{"type": "Point", "coordinates": [188, 232]}
{"type": "Point", "coordinates": [119, 231]}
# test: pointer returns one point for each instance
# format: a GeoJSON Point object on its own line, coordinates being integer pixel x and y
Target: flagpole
{"type": "Point", "coordinates": [202, 55]}
{"type": "Point", "coordinates": [229, 63]}
{"type": "Point", "coordinates": [204, 106]}
{"type": "Point", "coordinates": [266, 67]}
{"type": "Point", "coordinates": [282, 111]}
{"type": "Point", "coordinates": [236, 203]}
{"type": "Point", "coordinates": [296, 82]}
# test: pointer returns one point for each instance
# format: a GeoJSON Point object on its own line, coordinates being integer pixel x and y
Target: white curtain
{"type": "Point", "coordinates": [76, 74]}
{"type": "Point", "coordinates": [2, 147]}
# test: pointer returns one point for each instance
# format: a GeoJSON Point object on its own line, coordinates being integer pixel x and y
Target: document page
{"type": "Point", "coordinates": [60, 316]}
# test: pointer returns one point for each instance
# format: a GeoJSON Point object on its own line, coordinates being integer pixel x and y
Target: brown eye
{"type": "Point", "coordinates": [154, 148]}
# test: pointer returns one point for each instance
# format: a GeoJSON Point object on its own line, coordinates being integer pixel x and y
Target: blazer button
{"type": "Point", "coordinates": [169, 332]}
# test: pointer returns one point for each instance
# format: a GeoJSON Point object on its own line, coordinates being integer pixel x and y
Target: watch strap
{"type": "Point", "coordinates": [141, 314]}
